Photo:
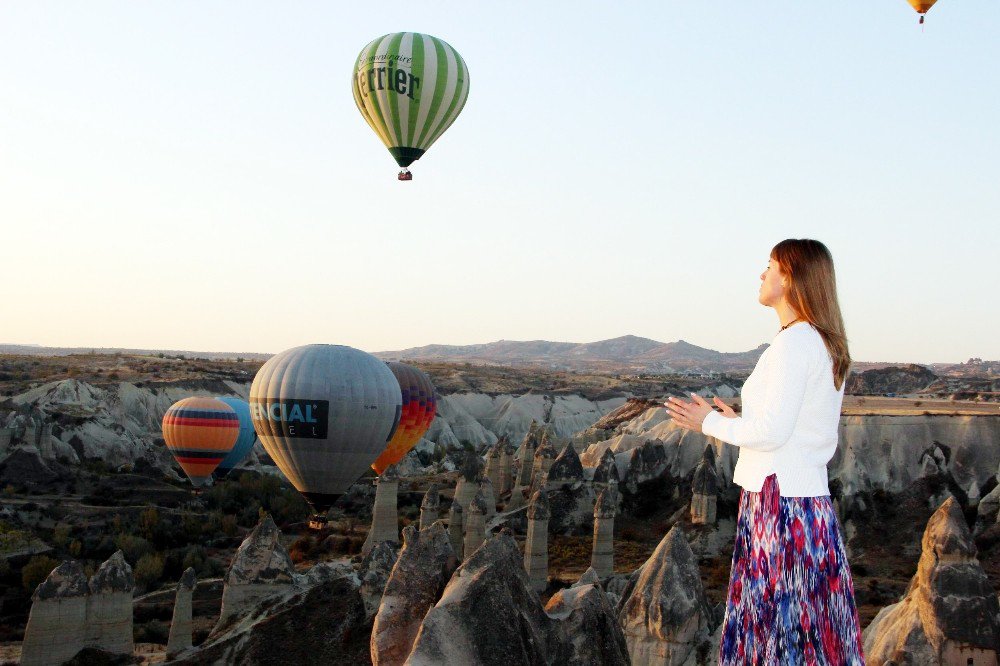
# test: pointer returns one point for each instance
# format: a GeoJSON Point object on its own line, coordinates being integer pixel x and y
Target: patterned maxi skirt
{"type": "Point", "coordinates": [791, 597]}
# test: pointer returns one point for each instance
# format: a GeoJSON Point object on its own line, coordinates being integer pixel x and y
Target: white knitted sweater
{"type": "Point", "coordinates": [791, 411]}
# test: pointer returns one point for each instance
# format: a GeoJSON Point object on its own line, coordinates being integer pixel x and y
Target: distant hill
{"type": "Point", "coordinates": [626, 353]}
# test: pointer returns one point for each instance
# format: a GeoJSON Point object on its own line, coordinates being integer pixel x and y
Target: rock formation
{"type": "Point", "coordinates": [704, 489]}
{"type": "Point", "coordinates": [647, 462]}
{"type": "Point", "coordinates": [602, 558]}
{"type": "Point", "coordinates": [587, 620]}
{"type": "Point", "coordinates": [109, 607]}
{"type": "Point", "coordinates": [565, 470]}
{"type": "Point", "coordinates": [606, 469]}
{"type": "Point", "coordinates": [493, 464]}
{"type": "Point", "coordinates": [516, 500]}
{"type": "Point", "coordinates": [56, 628]}
{"type": "Point", "coordinates": [526, 461]}
{"type": "Point", "coordinates": [589, 577]}
{"type": "Point", "coordinates": [489, 498]}
{"type": "Point", "coordinates": [475, 525]}
{"type": "Point", "coordinates": [374, 573]}
{"type": "Point", "coordinates": [488, 615]}
{"type": "Point", "coordinates": [545, 456]}
{"type": "Point", "coordinates": [456, 528]}
{"type": "Point", "coordinates": [950, 613]}
{"type": "Point", "coordinates": [471, 474]}
{"type": "Point", "coordinates": [423, 568]}
{"type": "Point", "coordinates": [536, 547]}
{"type": "Point", "coordinates": [664, 612]}
{"type": "Point", "coordinates": [260, 569]}
{"type": "Point", "coordinates": [385, 515]}
{"type": "Point", "coordinates": [323, 623]}
{"type": "Point", "coordinates": [506, 471]}
{"type": "Point", "coordinates": [429, 507]}
{"type": "Point", "coordinates": [180, 626]}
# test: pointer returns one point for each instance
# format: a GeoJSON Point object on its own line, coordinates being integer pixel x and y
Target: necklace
{"type": "Point", "coordinates": [794, 321]}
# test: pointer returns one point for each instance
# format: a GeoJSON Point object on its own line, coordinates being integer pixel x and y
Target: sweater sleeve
{"type": "Point", "coordinates": [784, 389]}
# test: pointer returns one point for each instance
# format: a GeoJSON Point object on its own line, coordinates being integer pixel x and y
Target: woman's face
{"type": "Point", "coordinates": [772, 284]}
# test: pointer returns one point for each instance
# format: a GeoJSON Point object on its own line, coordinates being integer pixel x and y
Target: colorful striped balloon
{"type": "Point", "coordinates": [419, 407]}
{"type": "Point", "coordinates": [410, 88]}
{"type": "Point", "coordinates": [200, 432]}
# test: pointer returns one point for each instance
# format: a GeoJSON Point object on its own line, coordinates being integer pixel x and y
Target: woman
{"type": "Point", "coordinates": [791, 598]}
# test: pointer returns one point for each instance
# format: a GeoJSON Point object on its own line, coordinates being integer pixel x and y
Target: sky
{"type": "Point", "coordinates": [191, 175]}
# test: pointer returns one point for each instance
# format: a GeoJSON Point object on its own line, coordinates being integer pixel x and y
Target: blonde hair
{"type": "Point", "coordinates": [812, 291]}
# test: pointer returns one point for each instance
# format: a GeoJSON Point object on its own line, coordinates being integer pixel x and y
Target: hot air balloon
{"type": "Point", "coordinates": [410, 88]}
{"type": "Point", "coordinates": [324, 413]}
{"type": "Point", "coordinates": [922, 7]}
{"type": "Point", "coordinates": [245, 441]}
{"type": "Point", "coordinates": [419, 407]}
{"type": "Point", "coordinates": [200, 432]}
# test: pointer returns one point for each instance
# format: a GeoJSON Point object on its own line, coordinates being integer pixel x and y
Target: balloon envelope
{"type": "Point", "coordinates": [419, 407]}
{"type": "Point", "coordinates": [245, 440]}
{"type": "Point", "coordinates": [409, 88]}
{"type": "Point", "coordinates": [324, 413]}
{"type": "Point", "coordinates": [200, 432]}
{"type": "Point", "coordinates": [921, 6]}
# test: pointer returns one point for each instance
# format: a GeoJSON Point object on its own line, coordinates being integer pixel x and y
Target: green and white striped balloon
{"type": "Point", "coordinates": [410, 88]}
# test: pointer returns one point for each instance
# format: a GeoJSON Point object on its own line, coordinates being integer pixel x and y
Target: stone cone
{"type": "Point", "coordinates": [950, 613]}
{"type": "Point", "coordinates": [180, 637]}
{"type": "Point", "coordinates": [423, 568]}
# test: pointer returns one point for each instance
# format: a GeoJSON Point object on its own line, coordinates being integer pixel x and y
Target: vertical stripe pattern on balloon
{"type": "Point", "coordinates": [409, 88]}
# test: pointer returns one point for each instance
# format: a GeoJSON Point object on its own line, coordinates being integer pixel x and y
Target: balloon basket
{"type": "Point", "coordinates": [404, 175]}
{"type": "Point", "coordinates": [317, 522]}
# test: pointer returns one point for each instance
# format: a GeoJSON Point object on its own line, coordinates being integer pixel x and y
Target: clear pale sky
{"type": "Point", "coordinates": [194, 175]}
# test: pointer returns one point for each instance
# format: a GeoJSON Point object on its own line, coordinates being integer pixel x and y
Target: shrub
{"type": "Point", "coordinates": [149, 523]}
{"type": "Point", "coordinates": [134, 547]}
{"type": "Point", "coordinates": [229, 526]}
{"type": "Point", "coordinates": [60, 535]}
{"type": "Point", "coordinates": [153, 631]}
{"type": "Point", "coordinates": [301, 549]}
{"type": "Point", "coordinates": [194, 557]}
{"type": "Point", "coordinates": [149, 569]}
{"type": "Point", "coordinates": [37, 570]}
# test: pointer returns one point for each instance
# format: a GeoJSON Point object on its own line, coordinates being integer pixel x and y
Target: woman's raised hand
{"type": "Point", "coordinates": [688, 415]}
{"type": "Point", "coordinates": [726, 410]}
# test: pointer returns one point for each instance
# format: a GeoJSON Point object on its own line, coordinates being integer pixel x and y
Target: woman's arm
{"type": "Point", "coordinates": [784, 388]}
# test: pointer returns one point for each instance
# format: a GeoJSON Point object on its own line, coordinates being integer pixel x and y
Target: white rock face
{"type": "Point", "coordinates": [56, 628]}
{"type": "Point", "coordinates": [374, 573]}
{"type": "Point", "coordinates": [475, 526]}
{"type": "Point", "coordinates": [536, 546]}
{"type": "Point", "coordinates": [587, 620]}
{"type": "Point", "coordinates": [109, 607]}
{"type": "Point", "coordinates": [666, 615]}
{"type": "Point", "coordinates": [180, 625]}
{"type": "Point", "coordinates": [603, 549]}
{"type": "Point", "coordinates": [423, 568]}
{"type": "Point", "coordinates": [385, 515]}
{"type": "Point", "coordinates": [260, 569]}
{"type": "Point", "coordinates": [875, 452]}
{"type": "Point", "coordinates": [481, 420]}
